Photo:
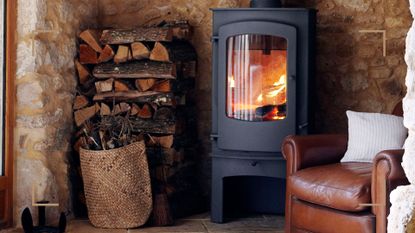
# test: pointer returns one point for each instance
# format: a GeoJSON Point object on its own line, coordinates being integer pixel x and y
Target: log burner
{"type": "Point", "coordinates": [262, 71]}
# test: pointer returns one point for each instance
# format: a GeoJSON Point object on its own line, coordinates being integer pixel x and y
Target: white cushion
{"type": "Point", "coordinates": [371, 133]}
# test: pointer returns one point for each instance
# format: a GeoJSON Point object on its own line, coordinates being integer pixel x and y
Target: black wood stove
{"type": "Point", "coordinates": [263, 61]}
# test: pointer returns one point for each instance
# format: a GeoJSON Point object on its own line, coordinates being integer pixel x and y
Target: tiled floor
{"type": "Point", "coordinates": [194, 224]}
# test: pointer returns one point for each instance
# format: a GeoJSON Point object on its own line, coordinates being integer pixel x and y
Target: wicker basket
{"type": "Point", "coordinates": [117, 186]}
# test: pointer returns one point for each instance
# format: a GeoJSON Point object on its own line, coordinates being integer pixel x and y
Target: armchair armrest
{"type": "Point", "coordinates": [387, 174]}
{"type": "Point", "coordinates": [312, 150]}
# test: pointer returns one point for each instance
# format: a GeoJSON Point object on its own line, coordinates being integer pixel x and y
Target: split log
{"type": "Point", "coordinates": [85, 114]}
{"type": "Point", "coordinates": [130, 56]}
{"type": "Point", "coordinates": [163, 141]}
{"type": "Point", "coordinates": [164, 113]}
{"type": "Point", "coordinates": [124, 36]}
{"type": "Point", "coordinates": [152, 126]}
{"type": "Point", "coordinates": [122, 54]}
{"type": "Point", "coordinates": [163, 86]}
{"type": "Point", "coordinates": [181, 29]}
{"type": "Point", "coordinates": [140, 51]}
{"type": "Point", "coordinates": [121, 108]}
{"type": "Point", "coordinates": [146, 112]}
{"type": "Point", "coordinates": [87, 55]}
{"type": "Point", "coordinates": [135, 109]}
{"type": "Point", "coordinates": [106, 55]}
{"type": "Point", "coordinates": [164, 99]}
{"type": "Point", "coordinates": [160, 53]}
{"type": "Point", "coordinates": [173, 52]}
{"type": "Point", "coordinates": [105, 110]}
{"type": "Point", "coordinates": [91, 37]}
{"type": "Point", "coordinates": [104, 86]}
{"type": "Point", "coordinates": [144, 84]}
{"type": "Point", "coordinates": [83, 72]}
{"type": "Point", "coordinates": [136, 69]}
{"type": "Point", "coordinates": [120, 86]}
{"type": "Point", "coordinates": [80, 102]}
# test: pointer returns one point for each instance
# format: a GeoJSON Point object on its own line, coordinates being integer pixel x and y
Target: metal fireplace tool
{"type": "Point", "coordinates": [27, 219]}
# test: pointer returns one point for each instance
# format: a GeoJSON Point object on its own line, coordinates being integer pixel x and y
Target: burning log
{"type": "Point", "coordinates": [122, 55]}
{"type": "Point", "coordinates": [85, 114]}
{"type": "Point", "coordinates": [104, 86]}
{"type": "Point", "coordinates": [140, 51]}
{"type": "Point", "coordinates": [80, 102]}
{"type": "Point", "coordinates": [122, 36]}
{"type": "Point", "coordinates": [106, 55]}
{"type": "Point", "coordinates": [91, 37]}
{"type": "Point", "coordinates": [136, 69]}
{"type": "Point", "coordinates": [87, 55]}
{"type": "Point", "coordinates": [271, 112]}
{"type": "Point", "coordinates": [145, 84]}
{"type": "Point", "coordinates": [173, 52]}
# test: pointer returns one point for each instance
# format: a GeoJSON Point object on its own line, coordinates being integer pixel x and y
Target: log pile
{"type": "Point", "coordinates": [143, 78]}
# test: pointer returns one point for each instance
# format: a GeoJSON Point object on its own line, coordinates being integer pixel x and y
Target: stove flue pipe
{"type": "Point", "coordinates": [266, 3]}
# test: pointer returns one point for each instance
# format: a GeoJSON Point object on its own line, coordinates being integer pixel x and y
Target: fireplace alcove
{"type": "Point", "coordinates": [261, 92]}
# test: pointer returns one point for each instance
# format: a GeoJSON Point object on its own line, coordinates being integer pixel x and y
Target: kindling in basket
{"type": "Point", "coordinates": [117, 186]}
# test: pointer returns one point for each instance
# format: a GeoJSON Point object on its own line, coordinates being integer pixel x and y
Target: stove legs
{"type": "Point", "coordinates": [217, 200]}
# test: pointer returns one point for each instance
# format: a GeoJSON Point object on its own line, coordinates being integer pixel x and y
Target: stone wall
{"type": "Point", "coordinates": [45, 85]}
{"type": "Point", "coordinates": [351, 71]}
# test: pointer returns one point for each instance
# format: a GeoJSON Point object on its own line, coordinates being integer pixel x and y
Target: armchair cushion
{"type": "Point", "coordinates": [370, 133]}
{"type": "Point", "coordinates": [341, 186]}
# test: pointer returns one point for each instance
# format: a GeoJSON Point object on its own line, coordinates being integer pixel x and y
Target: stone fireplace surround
{"type": "Point", "coordinates": [351, 73]}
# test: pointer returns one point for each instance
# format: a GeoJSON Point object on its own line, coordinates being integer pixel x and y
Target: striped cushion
{"type": "Point", "coordinates": [371, 133]}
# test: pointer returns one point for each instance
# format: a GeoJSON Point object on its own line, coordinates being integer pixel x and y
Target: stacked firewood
{"type": "Point", "coordinates": [137, 84]}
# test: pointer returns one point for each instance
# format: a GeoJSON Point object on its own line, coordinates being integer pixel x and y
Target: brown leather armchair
{"type": "Point", "coordinates": [326, 196]}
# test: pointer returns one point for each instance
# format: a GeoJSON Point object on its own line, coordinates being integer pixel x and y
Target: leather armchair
{"type": "Point", "coordinates": [326, 196]}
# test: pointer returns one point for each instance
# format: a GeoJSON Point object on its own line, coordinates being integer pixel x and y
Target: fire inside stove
{"type": "Point", "coordinates": [257, 78]}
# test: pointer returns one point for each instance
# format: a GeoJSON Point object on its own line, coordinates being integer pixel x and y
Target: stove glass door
{"type": "Point", "coordinates": [256, 77]}
{"type": "Point", "coordinates": [256, 85]}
